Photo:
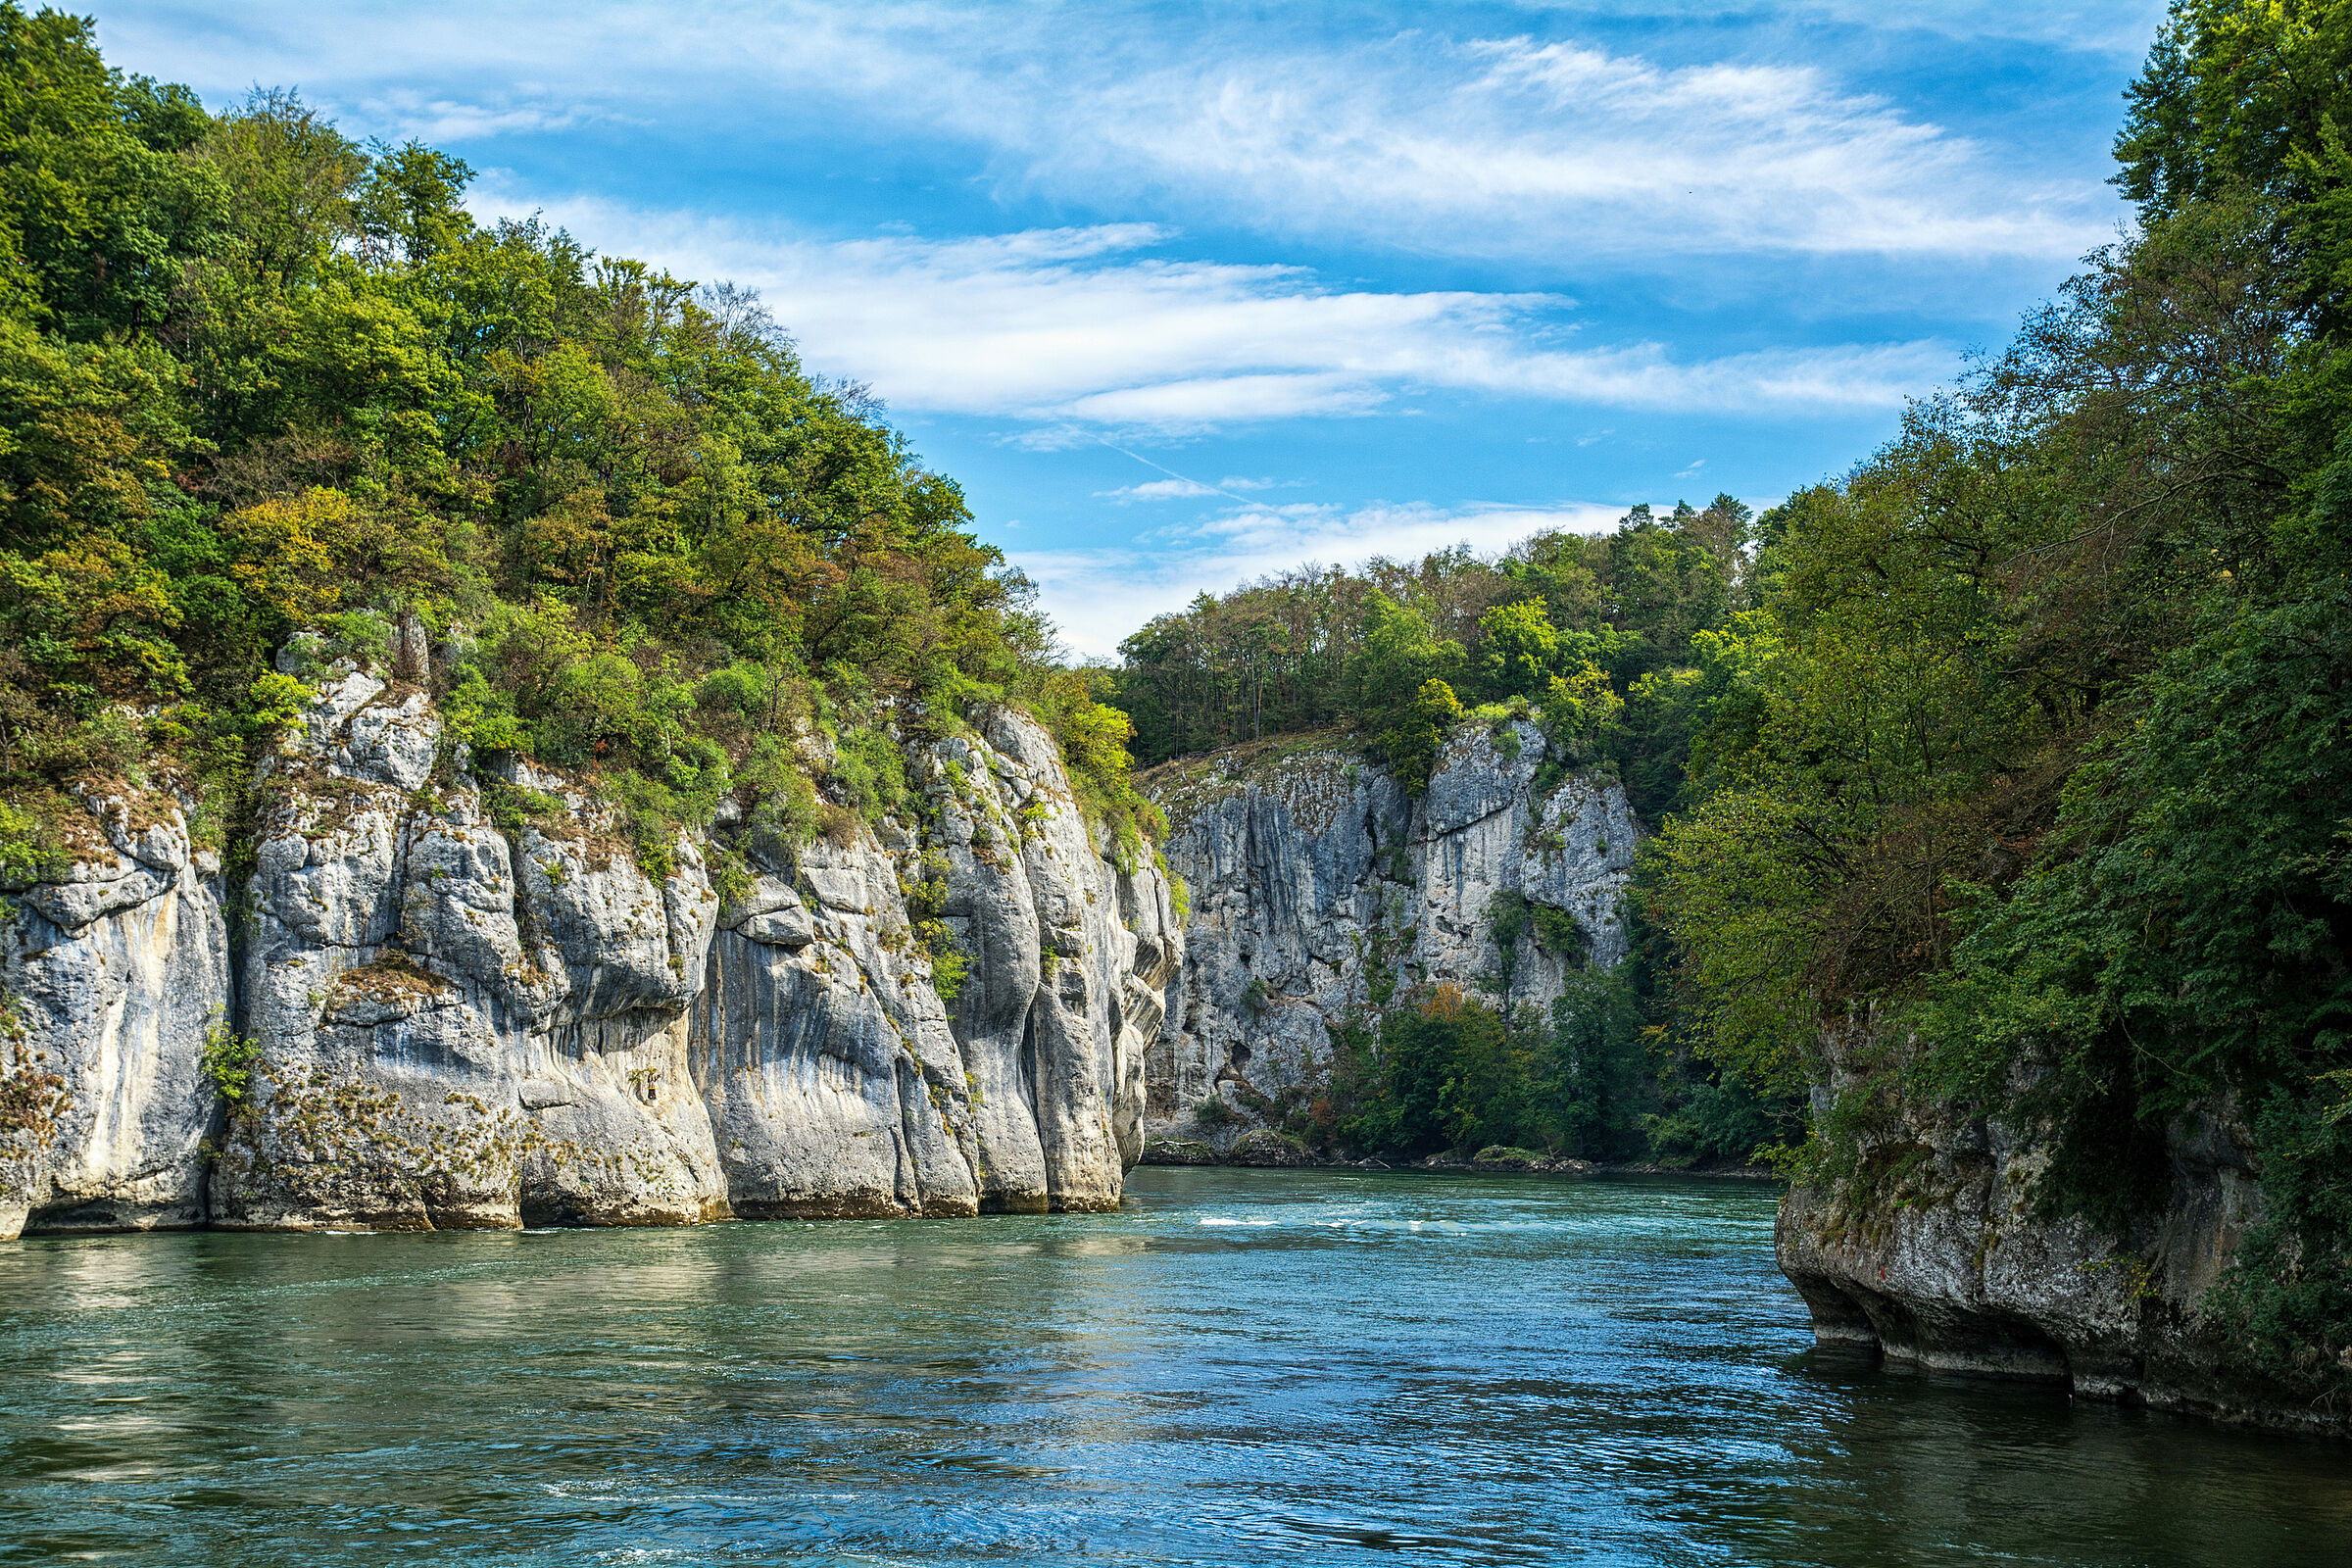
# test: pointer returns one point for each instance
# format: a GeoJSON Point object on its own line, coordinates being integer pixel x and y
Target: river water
{"type": "Point", "coordinates": [1238, 1367]}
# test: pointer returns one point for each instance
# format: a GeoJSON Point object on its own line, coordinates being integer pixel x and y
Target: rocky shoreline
{"type": "Point", "coordinates": [442, 999]}
{"type": "Point", "coordinates": [1939, 1254]}
{"type": "Point", "coordinates": [458, 1002]}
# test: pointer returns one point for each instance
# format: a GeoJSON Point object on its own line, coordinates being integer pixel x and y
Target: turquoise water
{"type": "Point", "coordinates": [1239, 1367]}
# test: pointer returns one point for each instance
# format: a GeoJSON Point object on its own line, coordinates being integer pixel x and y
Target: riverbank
{"type": "Point", "coordinates": [1262, 1149]}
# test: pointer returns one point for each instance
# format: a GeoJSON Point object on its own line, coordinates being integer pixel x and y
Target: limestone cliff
{"type": "Point", "coordinates": [470, 1014]}
{"type": "Point", "coordinates": [1935, 1253]}
{"type": "Point", "coordinates": [1317, 885]}
{"type": "Point", "coordinates": [111, 976]}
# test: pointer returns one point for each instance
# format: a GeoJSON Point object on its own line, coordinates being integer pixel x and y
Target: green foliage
{"type": "Point", "coordinates": [1093, 736]}
{"type": "Point", "coordinates": [1508, 917]}
{"type": "Point", "coordinates": [926, 903]}
{"type": "Point", "coordinates": [2036, 746]}
{"type": "Point", "coordinates": [1255, 997]}
{"type": "Point", "coordinates": [1441, 1070]}
{"type": "Point", "coordinates": [948, 967]}
{"type": "Point", "coordinates": [869, 774]}
{"type": "Point", "coordinates": [1563, 624]}
{"type": "Point", "coordinates": [229, 1061]}
{"type": "Point", "coordinates": [1413, 734]}
{"type": "Point", "coordinates": [1180, 897]}
{"type": "Point", "coordinates": [514, 807]}
{"type": "Point", "coordinates": [1212, 1111]}
{"type": "Point", "coordinates": [1519, 649]}
{"type": "Point", "coordinates": [1580, 707]}
{"type": "Point", "coordinates": [1558, 932]}
{"type": "Point", "coordinates": [267, 394]}
{"type": "Point", "coordinates": [1512, 915]}
{"type": "Point", "coordinates": [30, 847]}
{"type": "Point", "coordinates": [2287, 1304]}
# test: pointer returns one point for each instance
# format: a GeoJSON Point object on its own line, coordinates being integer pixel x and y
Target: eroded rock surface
{"type": "Point", "coordinates": [485, 1007]}
{"type": "Point", "coordinates": [1318, 887]}
{"type": "Point", "coordinates": [1939, 1256]}
{"type": "Point", "coordinates": [113, 972]}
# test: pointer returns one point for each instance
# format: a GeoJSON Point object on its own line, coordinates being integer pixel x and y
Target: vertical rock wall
{"type": "Point", "coordinates": [112, 974]}
{"type": "Point", "coordinates": [465, 1023]}
{"type": "Point", "coordinates": [1317, 886]}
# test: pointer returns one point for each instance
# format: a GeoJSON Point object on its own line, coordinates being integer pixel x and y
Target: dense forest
{"type": "Point", "coordinates": [2022, 754]}
{"type": "Point", "coordinates": [257, 379]}
{"type": "Point", "coordinates": [1596, 634]}
{"type": "Point", "coordinates": [2037, 747]}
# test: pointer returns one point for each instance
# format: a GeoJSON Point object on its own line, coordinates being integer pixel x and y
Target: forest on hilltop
{"type": "Point", "coordinates": [258, 380]}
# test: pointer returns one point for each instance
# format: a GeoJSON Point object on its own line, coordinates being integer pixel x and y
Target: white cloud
{"type": "Point", "coordinates": [1071, 330]}
{"type": "Point", "coordinates": [1097, 597]}
{"type": "Point", "coordinates": [1508, 146]}
{"type": "Point", "coordinates": [1176, 487]}
{"type": "Point", "coordinates": [1158, 490]}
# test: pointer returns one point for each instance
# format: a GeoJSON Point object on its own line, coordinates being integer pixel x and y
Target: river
{"type": "Point", "coordinates": [1238, 1367]}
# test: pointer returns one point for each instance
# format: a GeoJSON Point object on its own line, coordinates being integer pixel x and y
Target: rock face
{"type": "Point", "coordinates": [483, 1007]}
{"type": "Point", "coordinates": [1317, 886]}
{"type": "Point", "coordinates": [1940, 1259]}
{"type": "Point", "coordinates": [113, 975]}
{"type": "Point", "coordinates": [839, 1083]}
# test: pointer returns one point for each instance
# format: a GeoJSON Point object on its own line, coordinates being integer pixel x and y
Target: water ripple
{"type": "Point", "coordinates": [1236, 1368]}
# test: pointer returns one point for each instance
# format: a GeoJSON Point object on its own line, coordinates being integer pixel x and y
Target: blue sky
{"type": "Point", "coordinates": [1184, 294]}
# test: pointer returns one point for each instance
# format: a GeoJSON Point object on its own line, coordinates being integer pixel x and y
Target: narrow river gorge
{"type": "Point", "coordinates": [1234, 1366]}
{"type": "Point", "coordinates": [654, 916]}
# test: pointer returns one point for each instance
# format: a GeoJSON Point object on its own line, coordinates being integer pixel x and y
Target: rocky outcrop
{"type": "Point", "coordinates": [1318, 887]}
{"type": "Point", "coordinates": [461, 1025]}
{"type": "Point", "coordinates": [474, 1004]}
{"type": "Point", "coordinates": [1935, 1253]}
{"type": "Point", "coordinates": [839, 1082]}
{"type": "Point", "coordinates": [112, 972]}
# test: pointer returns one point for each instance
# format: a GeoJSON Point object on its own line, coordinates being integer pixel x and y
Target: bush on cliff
{"type": "Point", "coordinates": [1573, 624]}
{"type": "Point", "coordinates": [1442, 1069]}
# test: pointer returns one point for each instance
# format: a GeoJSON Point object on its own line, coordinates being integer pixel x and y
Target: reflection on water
{"type": "Point", "coordinates": [1239, 1367]}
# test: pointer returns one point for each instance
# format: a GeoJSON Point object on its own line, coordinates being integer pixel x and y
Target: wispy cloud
{"type": "Point", "coordinates": [1158, 490]}
{"type": "Point", "coordinates": [2119, 28]}
{"type": "Point", "coordinates": [1510, 146]}
{"type": "Point", "coordinates": [1070, 329]}
{"type": "Point", "coordinates": [1176, 487]}
{"type": "Point", "coordinates": [1389, 134]}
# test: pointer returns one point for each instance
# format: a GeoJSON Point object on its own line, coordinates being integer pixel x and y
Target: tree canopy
{"type": "Point", "coordinates": [267, 392]}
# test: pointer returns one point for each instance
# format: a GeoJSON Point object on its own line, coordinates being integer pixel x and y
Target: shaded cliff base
{"type": "Point", "coordinates": [1263, 1148]}
{"type": "Point", "coordinates": [1973, 1288]}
